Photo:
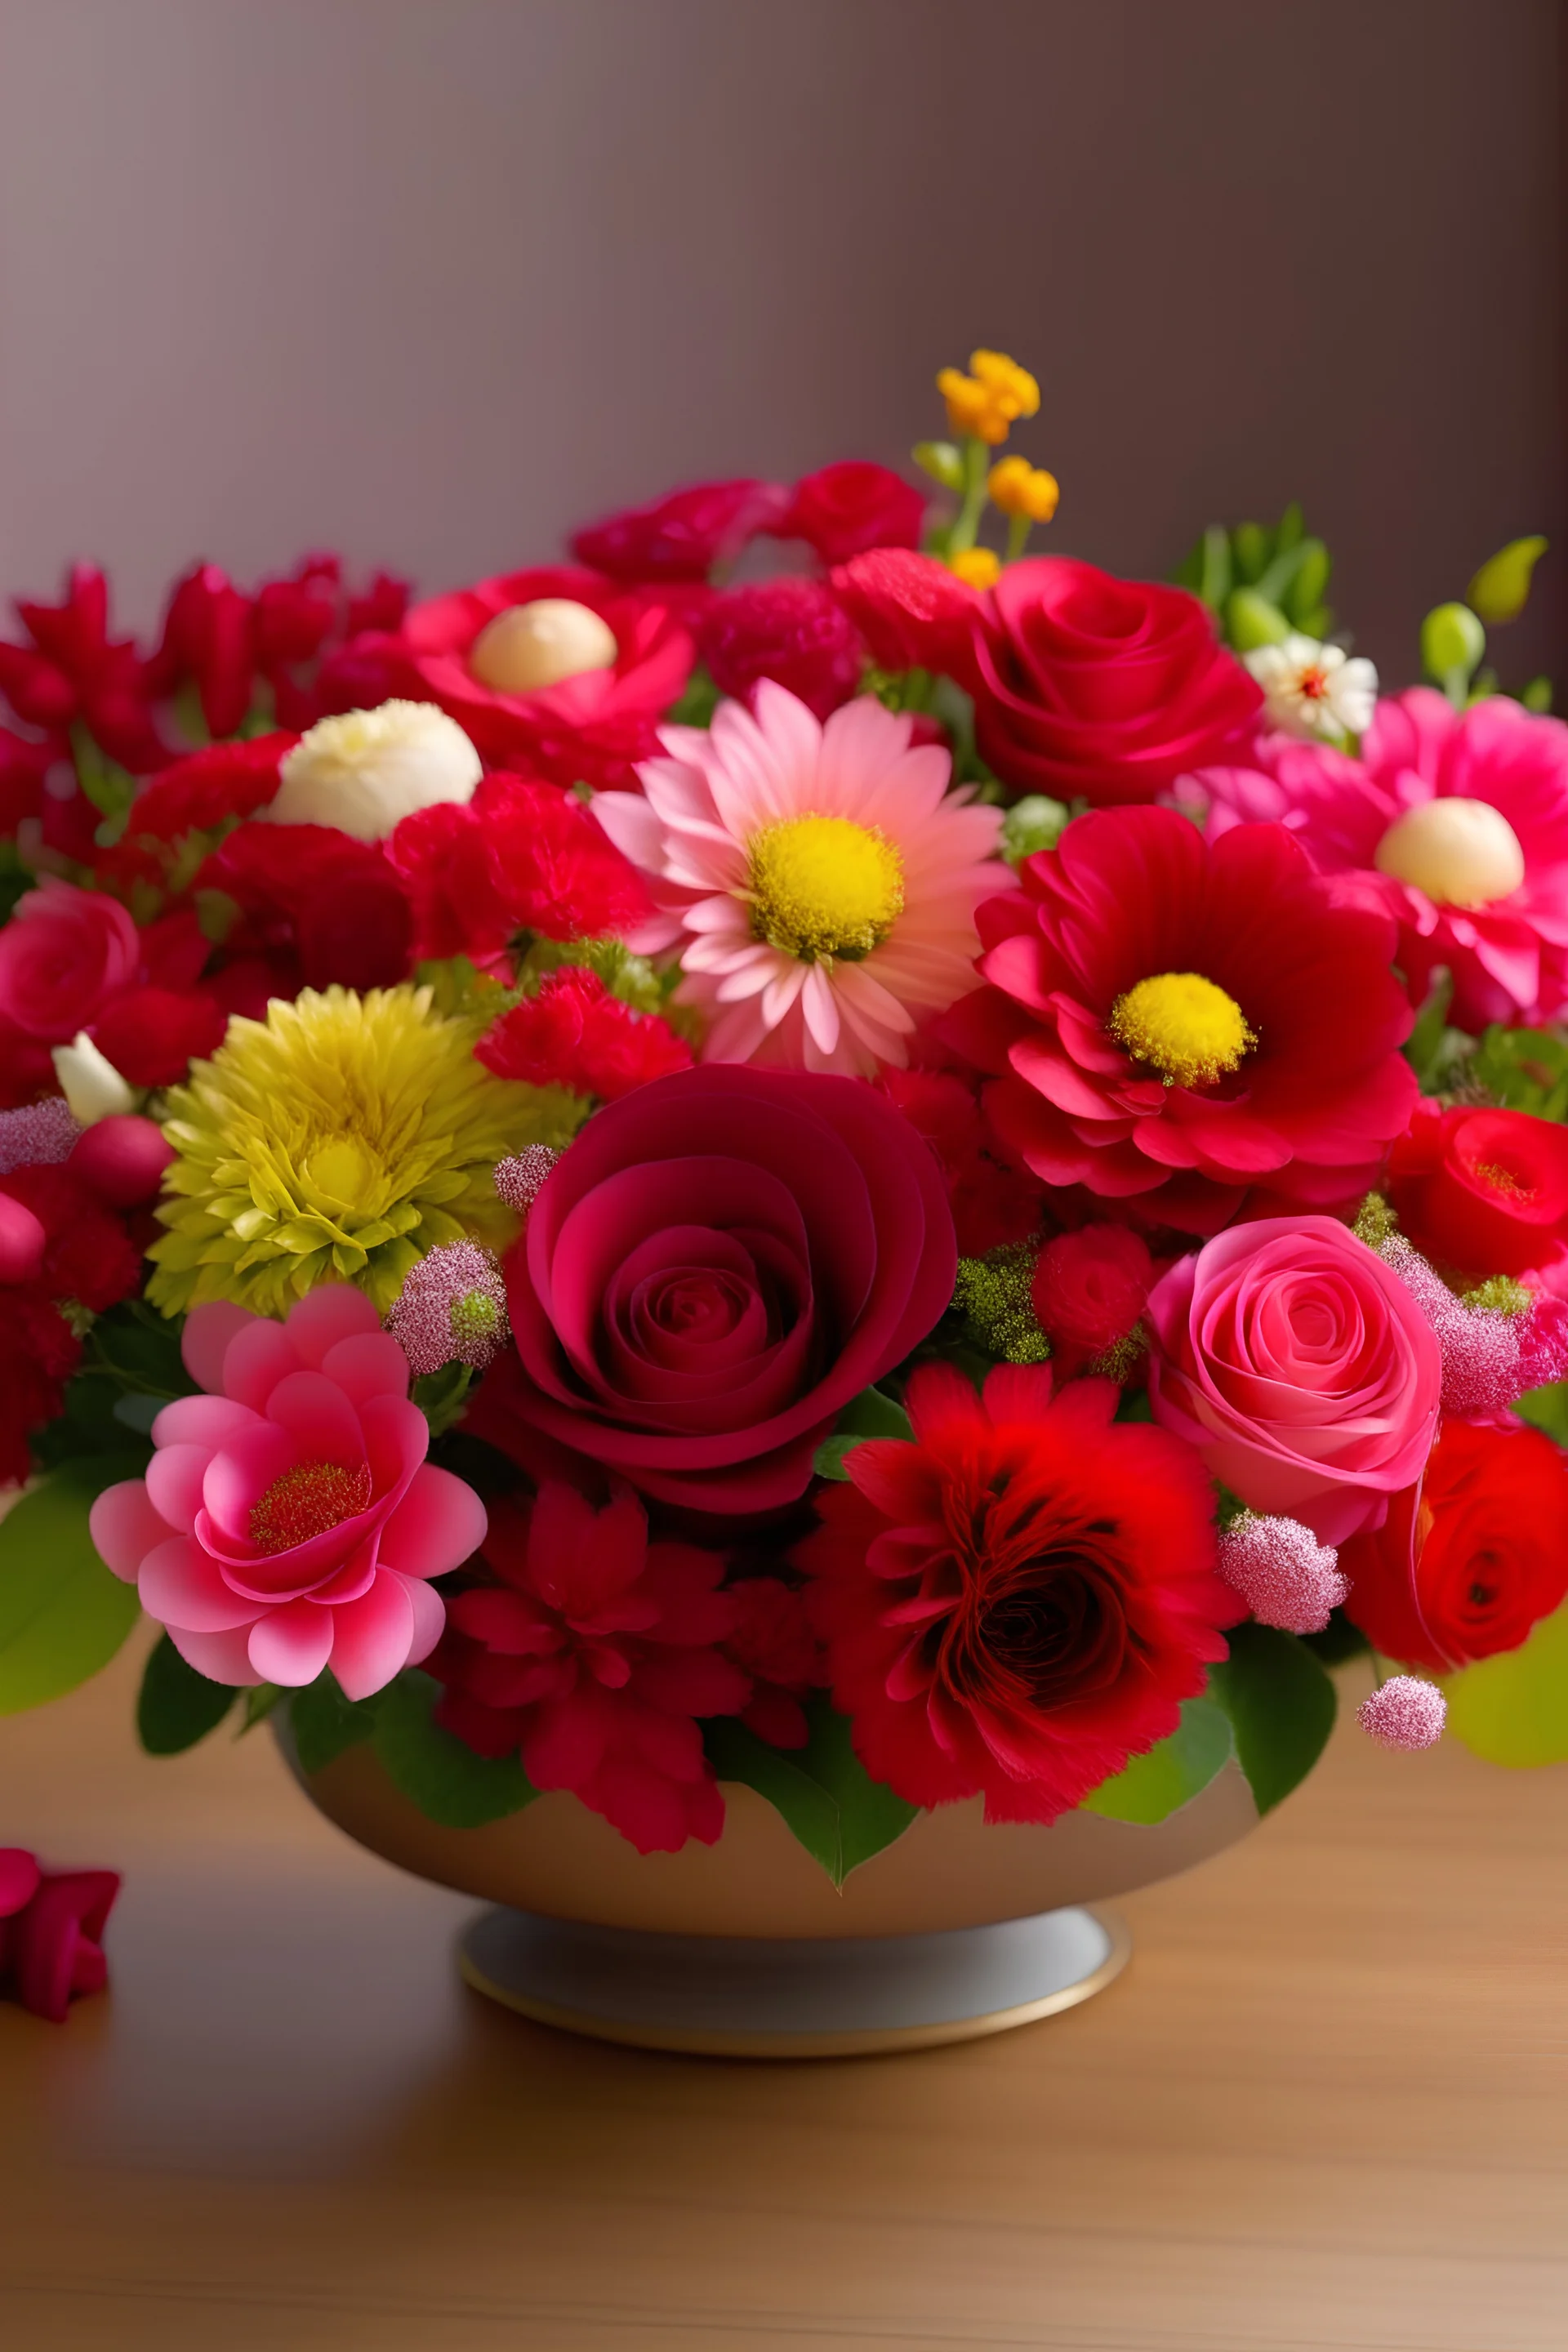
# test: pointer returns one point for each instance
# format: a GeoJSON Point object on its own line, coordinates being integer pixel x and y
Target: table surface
{"type": "Point", "coordinates": [1324, 2106]}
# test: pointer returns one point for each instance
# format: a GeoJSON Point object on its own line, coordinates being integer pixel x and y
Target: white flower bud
{"type": "Point", "coordinates": [532, 645]}
{"type": "Point", "coordinates": [1461, 852]}
{"type": "Point", "coordinates": [365, 771]}
{"type": "Point", "coordinates": [92, 1086]}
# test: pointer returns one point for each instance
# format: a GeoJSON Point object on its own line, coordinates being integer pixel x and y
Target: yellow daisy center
{"type": "Point", "coordinates": [307, 1501]}
{"type": "Point", "coordinates": [822, 888]}
{"type": "Point", "coordinates": [1182, 1025]}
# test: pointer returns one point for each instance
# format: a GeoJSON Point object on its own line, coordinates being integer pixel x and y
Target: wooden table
{"type": "Point", "coordinates": [1325, 2106]}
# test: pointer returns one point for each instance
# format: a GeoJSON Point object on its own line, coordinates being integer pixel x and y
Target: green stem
{"type": "Point", "coordinates": [1018, 531]}
{"type": "Point", "coordinates": [966, 530]}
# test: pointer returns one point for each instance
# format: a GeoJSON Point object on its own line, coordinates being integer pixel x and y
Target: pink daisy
{"type": "Point", "coordinates": [1456, 823]}
{"type": "Point", "coordinates": [816, 879]}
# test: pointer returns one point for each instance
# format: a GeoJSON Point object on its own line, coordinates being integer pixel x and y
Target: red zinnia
{"type": "Point", "coordinates": [575, 1033]}
{"type": "Point", "coordinates": [520, 855]}
{"type": "Point", "coordinates": [592, 1657]}
{"type": "Point", "coordinates": [1166, 1017]}
{"type": "Point", "coordinates": [1019, 1600]}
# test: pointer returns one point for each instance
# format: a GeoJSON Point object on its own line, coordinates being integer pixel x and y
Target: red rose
{"type": "Point", "coordinates": [843, 510]}
{"type": "Point", "coordinates": [1019, 1600]}
{"type": "Point", "coordinates": [575, 1033]}
{"type": "Point", "coordinates": [683, 536]}
{"type": "Point", "coordinates": [519, 857]}
{"type": "Point", "coordinates": [717, 1264]}
{"type": "Point", "coordinates": [592, 729]}
{"type": "Point", "coordinates": [63, 954]}
{"type": "Point", "coordinates": [1482, 1192]}
{"type": "Point", "coordinates": [1090, 1289]}
{"type": "Point", "coordinates": [792, 630]}
{"type": "Point", "coordinates": [913, 613]}
{"type": "Point", "coordinates": [1470, 1558]}
{"type": "Point", "coordinates": [1101, 689]}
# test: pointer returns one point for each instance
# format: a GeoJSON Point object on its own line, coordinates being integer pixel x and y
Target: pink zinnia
{"type": "Point", "coordinates": [1454, 822]}
{"type": "Point", "coordinates": [816, 879]}
{"type": "Point", "coordinates": [289, 1519]}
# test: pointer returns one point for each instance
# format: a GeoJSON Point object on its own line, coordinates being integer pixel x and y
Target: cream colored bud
{"type": "Point", "coordinates": [365, 771]}
{"type": "Point", "coordinates": [541, 644]}
{"type": "Point", "coordinates": [92, 1086]}
{"type": "Point", "coordinates": [1461, 852]}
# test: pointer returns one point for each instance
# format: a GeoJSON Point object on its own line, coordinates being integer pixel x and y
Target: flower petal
{"type": "Point", "coordinates": [373, 1638]}
{"type": "Point", "coordinates": [291, 1644]}
{"type": "Point", "coordinates": [125, 1528]}
{"type": "Point", "coordinates": [439, 1523]}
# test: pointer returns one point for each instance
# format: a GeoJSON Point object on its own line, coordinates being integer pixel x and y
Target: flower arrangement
{"type": "Point", "coordinates": [929, 1174]}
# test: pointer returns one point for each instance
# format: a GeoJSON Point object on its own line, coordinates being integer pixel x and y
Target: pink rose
{"type": "Point", "coordinates": [721, 1260]}
{"type": "Point", "coordinates": [289, 1519]}
{"type": "Point", "coordinates": [64, 953]}
{"type": "Point", "coordinates": [1300, 1368]}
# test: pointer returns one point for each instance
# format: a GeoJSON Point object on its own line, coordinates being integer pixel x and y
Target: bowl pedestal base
{"type": "Point", "coordinates": [756, 1997]}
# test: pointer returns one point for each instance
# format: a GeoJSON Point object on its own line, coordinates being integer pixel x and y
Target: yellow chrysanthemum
{"type": "Point", "coordinates": [339, 1138]}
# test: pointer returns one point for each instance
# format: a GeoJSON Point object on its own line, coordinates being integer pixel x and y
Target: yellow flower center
{"type": "Point", "coordinates": [1184, 1026]}
{"type": "Point", "coordinates": [306, 1502]}
{"type": "Point", "coordinates": [824, 888]}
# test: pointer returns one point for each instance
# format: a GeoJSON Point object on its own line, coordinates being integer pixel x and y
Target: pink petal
{"type": "Point", "coordinates": [222, 1657]}
{"type": "Point", "coordinates": [125, 1528]}
{"type": "Point", "coordinates": [204, 1341]}
{"type": "Point", "coordinates": [821, 1013]}
{"type": "Point", "coordinates": [316, 1413]}
{"type": "Point", "coordinates": [429, 1619]}
{"type": "Point", "coordinates": [205, 1421]}
{"type": "Point", "coordinates": [180, 1584]}
{"type": "Point", "coordinates": [174, 1482]}
{"type": "Point", "coordinates": [371, 1638]}
{"type": "Point", "coordinates": [291, 1644]}
{"type": "Point", "coordinates": [256, 1361]}
{"type": "Point", "coordinates": [369, 1364]}
{"type": "Point", "coordinates": [19, 1875]}
{"type": "Point", "coordinates": [323, 1317]}
{"type": "Point", "coordinates": [439, 1523]}
{"type": "Point", "coordinates": [236, 1479]}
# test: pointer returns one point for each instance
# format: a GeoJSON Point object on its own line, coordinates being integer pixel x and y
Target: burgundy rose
{"type": "Point", "coordinates": [721, 1261]}
{"type": "Point", "coordinates": [843, 510]}
{"type": "Point", "coordinates": [1101, 689]}
{"type": "Point", "coordinates": [64, 953]}
{"type": "Point", "coordinates": [792, 630]}
{"type": "Point", "coordinates": [591, 728]}
{"type": "Point", "coordinates": [684, 535]}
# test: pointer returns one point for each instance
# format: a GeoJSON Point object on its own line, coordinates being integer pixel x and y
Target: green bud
{"type": "Point", "coordinates": [1537, 695]}
{"type": "Point", "coordinates": [1292, 527]}
{"type": "Point", "coordinates": [1031, 825]}
{"type": "Point", "coordinates": [942, 460]}
{"type": "Point", "coordinates": [1452, 643]}
{"type": "Point", "coordinates": [1251, 620]}
{"type": "Point", "coordinates": [1253, 547]}
{"type": "Point", "coordinates": [1305, 593]}
{"type": "Point", "coordinates": [1213, 580]}
{"type": "Point", "coordinates": [1499, 589]}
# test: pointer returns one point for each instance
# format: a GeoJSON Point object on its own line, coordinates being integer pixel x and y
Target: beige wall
{"type": "Point", "coordinates": [432, 278]}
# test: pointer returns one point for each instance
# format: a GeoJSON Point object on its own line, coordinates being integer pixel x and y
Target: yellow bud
{"type": "Point", "coordinates": [1013, 388]}
{"type": "Point", "coordinates": [1019, 488]}
{"type": "Point", "coordinates": [979, 566]}
{"type": "Point", "coordinates": [531, 646]}
{"type": "Point", "coordinates": [970, 411]}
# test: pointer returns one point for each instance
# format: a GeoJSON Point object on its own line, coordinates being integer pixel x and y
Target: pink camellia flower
{"type": "Point", "coordinates": [1300, 1368]}
{"type": "Point", "coordinates": [817, 880]}
{"type": "Point", "coordinates": [1455, 821]}
{"type": "Point", "coordinates": [289, 1519]}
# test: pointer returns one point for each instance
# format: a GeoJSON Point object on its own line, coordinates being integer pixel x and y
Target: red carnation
{"type": "Point", "coordinates": [592, 1656]}
{"type": "Point", "coordinates": [23, 767]}
{"type": "Point", "coordinates": [1470, 1558]}
{"type": "Point", "coordinates": [793, 631]}
{"type": "Point", "coordinates": [210, 789]}
{"type": "Point", "coordinates": [320, 906]}
{"type": "Point", "coordinates": [775, 1643]}
{"type": "Point", "coordinates": [592, 729]}
{"type": "Point", "coordinates": [845, 509]}
{"type": "Point", "coordinates": [1166, 1016]}
{"type": "Point", "coordinates": [991, 1204]}
{"type": "Point", "coordinates": [1090, 1289]}
{"type": "Point", "coordinates": [684, 535]}
{"type": "Point", "coordinates": [74, 671]}
{"type": "Point", "coordinates": [575, 1033]}
{"type": "Point", "coordinates": [1021, 1599]}
{"type": "Point", "coordinates": [913, 613]}
{"type": "Point", "coordinates": [87, 1260]}
{"type": "Point", "coordinates": [1482, 1192]}
{"type": "Point", "coordinates": [1090, 686]}
{"type": "Point", "coordinates": [520, 855]}
{"type": "Point", "coordinates": [153, 1035]}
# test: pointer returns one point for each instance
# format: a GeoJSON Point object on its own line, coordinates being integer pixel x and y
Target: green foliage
{"type": "Point", "coordinates": [1250, 621]}
{"type": "Point", "coordinates": [1260, 583]}
{"type": "Point", "coordinates": [823, 1791]}
{"type": "Point", "coordinates": [871, 1414]}
{"type": "Point", "coordinates": [63, 1614]}
{"type": "Point", "coordinates": [1547, 1409]}
{"type": "Point", "coordinates": [1281, 1707]}
{"type": "Point", "coordinates": [1524, 1069]}
{"type": "Point", "coordinates": [1338, 1641]}
{"type": "Point", "coordinates": [325, 1723]}
{"type": "Point", "coordinates": [1032, 825]}
{"type": "Point", "coordinates": [942, 461]}
{"type": "Point", "coordinates": [137, 1350]}
{"type": "Point", "coordinates": [1500, 589]}
{"type": "Point", "coordinates": [1452, 643]}
{"type": "Point", "coordinates": [1427, 1047]}
{"type": "Point", "coordinates": [447, 1781]}
{"type": "Point", "coordinates": [1154, 1786]}
{"type": "Point", "coordinates": [1537, 695]}
{"type": "Point", "coordinates": [698, 700]}
{"type": "Point", "coordinates": [441, 1396]}
{"type": "Point", "coordinates": [1513, 1709]}
{"type": "Point", "coordinates": [177, 1706]}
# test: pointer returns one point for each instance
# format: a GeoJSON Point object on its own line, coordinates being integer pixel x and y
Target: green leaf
{"type": "Point", "coordinates": [1281, 1707]}
{"type": "Point", "coordinates": [871, 1414]}
{"type": "Point", "coordinates": [1251, 620]}
{"type": "Point", "coordinates": [1338, 1641]}
{"type": "Point", "coordinates": [63, 1614]}
{"type": "Point", "coordinates": [1524, 1069]}
{"type": "Point", "coordinates": [447, 1781]}
{"type": "Point", "coordinates": [1304, 597]}
{"type": "Point", "coordinates": [823, 1791]}
{"type": "Point", "coordinates": [135, 1348]}
{"type": "Point", "coordinates": [1537, 695]}
{"type": "Point", "coordinates": [441, 1396]}
{"type": "Point", "coordinates": [1547, 1409]}
{"type": "Point", "coordinates": [1500, 589]}
{"type": "Point", "coordinates": [1423, 1046]}
{"type": "Point", "coordinates": [1513, 1709]}
{"type": "Point", "coordinates": [698, 702]}
{"type": "Point", "coordinates": [325, 1723]}
{"type": "Point", "coordinates": [1253, 546]}
{"type": "Point", "coordinates": [259, 1701]}
{"type": "Point", "coordinates": [177, 1706]}
{"type": "Point", "coordinates": [1154, 1786]}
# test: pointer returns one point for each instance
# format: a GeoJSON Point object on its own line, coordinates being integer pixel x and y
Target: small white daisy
{"type": "Point", "coordinates": [1315, 691]}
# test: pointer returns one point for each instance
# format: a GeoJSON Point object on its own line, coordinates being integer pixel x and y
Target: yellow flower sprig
{"type": "Point", "coordinates": [982, 408]}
